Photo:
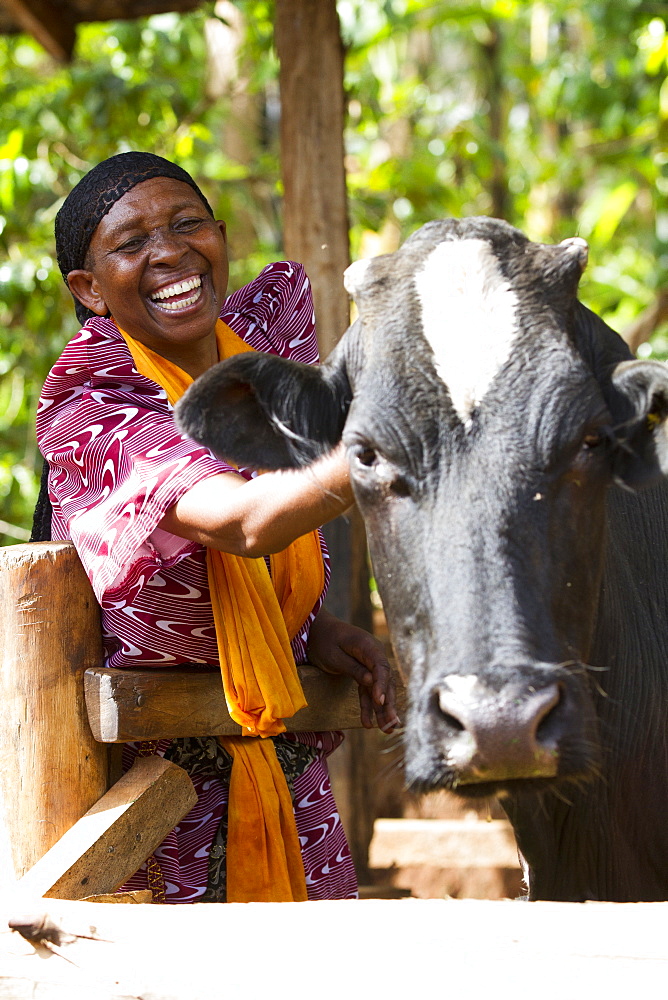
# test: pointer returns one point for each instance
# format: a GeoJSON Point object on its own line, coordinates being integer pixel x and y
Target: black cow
{"type": "Point", "coordinates": [499, 435]}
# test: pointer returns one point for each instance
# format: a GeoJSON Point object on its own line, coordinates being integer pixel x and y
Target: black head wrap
{"type": "Point", "coordinates": [94, 195]}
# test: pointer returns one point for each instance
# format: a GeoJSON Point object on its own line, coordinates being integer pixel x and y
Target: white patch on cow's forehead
{"type": "Point", "coordinates": [468, 317]}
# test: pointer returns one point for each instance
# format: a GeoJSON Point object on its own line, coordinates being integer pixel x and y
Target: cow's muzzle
{"type": "Point", "coordinates": [490, 736]}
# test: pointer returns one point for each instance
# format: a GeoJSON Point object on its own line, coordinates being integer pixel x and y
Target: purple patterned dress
{"type": "Point", "coordinates": [117, 463]}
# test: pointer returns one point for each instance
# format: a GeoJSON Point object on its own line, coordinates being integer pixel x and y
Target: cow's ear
{"type": "Point", "coordinates": [640, 409]}
{"type": "Point", "coordinates": [266, 412]}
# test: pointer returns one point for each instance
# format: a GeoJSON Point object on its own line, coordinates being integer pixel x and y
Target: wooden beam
{"type": "Point", "coordinates": [443, 843]}
{"type": "Point", "coordinates": [51, 768]}
{"type": "Point", "coordinates": [134, 896]}
{"type": "Point", "coordinates": [50, 25]}
{"type": "Point", "coordinates": [126, 705]}
{"type": "Point", "coordinates": [107, 845]}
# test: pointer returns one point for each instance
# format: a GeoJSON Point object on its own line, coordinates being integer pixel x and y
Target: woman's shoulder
{"type": "Point", "coordinates": [97, 342]}
{"type": "Point", "coordinates": [274, 312]}
{"type": "Point", "coordinates": [97, 357]}
{"type": "Point", "coordinates": [265, 293]}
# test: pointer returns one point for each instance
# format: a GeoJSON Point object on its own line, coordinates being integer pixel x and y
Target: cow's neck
{"type": "Point", "coordinates": [608, 839]}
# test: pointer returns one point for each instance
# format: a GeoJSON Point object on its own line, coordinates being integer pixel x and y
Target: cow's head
{"type": "Point", "coordinates": [485, 412]}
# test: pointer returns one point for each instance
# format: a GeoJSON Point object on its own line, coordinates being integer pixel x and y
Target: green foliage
{"type": "Point", "coordinates": [562, 105]}
{"type": "Point", "coordinates": [553, 115]}
{"type": "Point", "coordinates": [133, 85]}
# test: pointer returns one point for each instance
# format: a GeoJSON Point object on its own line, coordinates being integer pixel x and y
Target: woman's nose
{"type": "Point", "coordinates": [167, 248]}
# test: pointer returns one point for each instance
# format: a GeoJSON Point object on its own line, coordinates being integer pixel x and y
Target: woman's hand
{"type": "Point", "coordinates": [339, 648]}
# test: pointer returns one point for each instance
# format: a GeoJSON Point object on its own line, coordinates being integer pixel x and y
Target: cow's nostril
{"type": "Point", "coordinates": [452, 723]}
{"type": "Point", "coordinates": [549, 722]}
{"type": "Point", "coordinates": [444, 709]}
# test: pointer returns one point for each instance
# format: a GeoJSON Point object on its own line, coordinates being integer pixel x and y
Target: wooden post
{"type": "Point", "coordinates": [315, 220]}
{"type": "Point", "coordinates": [315, 212]}
{"type": "Point", "coordinates": [51, 768]}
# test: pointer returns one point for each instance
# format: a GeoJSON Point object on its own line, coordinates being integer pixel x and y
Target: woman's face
{"type": "Point", "coordinates": [158, 263]}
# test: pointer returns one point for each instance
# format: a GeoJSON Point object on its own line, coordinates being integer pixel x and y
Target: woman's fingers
{"type": "Point", "coordinates": [340, 662]}
{"type": "Point", "coordinates": [339, 648]}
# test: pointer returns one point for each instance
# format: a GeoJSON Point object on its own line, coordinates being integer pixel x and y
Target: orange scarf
{"type": "Point", "coordinates": [256, 615]}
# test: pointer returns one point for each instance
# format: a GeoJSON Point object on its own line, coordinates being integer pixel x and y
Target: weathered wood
{"type": "Point", "coordinates": [107, 845]}
{"type": "Point", "coordinates": [445, 843]}
{"type": "Point", "coordinates": [51, 768]}
{"type": "Point", "coordinates": [51, 26]}
{"type": "Point", "coordinates": [455, 948]}
{"type": "Point", "coordinates": [135, 896]}
{"type": "Point", "coordinates": [128, 705]}
{"type": "Point", "coordinates": [315, 225]}
{"type": "Point", "coordinates": [315, 212]}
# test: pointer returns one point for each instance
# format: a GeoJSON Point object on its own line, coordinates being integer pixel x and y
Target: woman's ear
{"type": "Point", "coordinates": [83, 286]}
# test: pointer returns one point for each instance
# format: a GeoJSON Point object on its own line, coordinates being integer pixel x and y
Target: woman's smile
{"type": "Point", "coordinates": [179, 295]}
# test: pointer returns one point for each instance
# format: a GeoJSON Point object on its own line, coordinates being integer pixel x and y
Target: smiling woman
{"type": "Point", "coordinates": [157, 263]}
{"type": "Point", "coordinates": [192, 560]}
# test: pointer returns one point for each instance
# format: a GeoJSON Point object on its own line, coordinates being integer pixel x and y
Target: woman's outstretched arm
{"type": "Point", "coordinates": [259, 516]}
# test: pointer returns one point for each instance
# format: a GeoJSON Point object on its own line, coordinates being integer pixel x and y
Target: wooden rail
{"type": "Point", "coordinates": [126, 705]}
{"type": "Point", "coordinates": [443, 843]}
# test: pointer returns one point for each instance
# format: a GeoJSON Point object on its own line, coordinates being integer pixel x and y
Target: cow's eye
{"type": "Point", "coordinates": [376, 471]}
{"type": "Point", "coordinates": [592, 440]}
{"type": "Point", "coordinates": [591, 451]}
{"type": "Point", "coordinates": [366, 456]}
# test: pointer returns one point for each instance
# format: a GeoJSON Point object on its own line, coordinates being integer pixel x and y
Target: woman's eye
{"type": "Point", "coordinates": [188, 225]}
{"type": "Point", "coordinates": [131, 245]}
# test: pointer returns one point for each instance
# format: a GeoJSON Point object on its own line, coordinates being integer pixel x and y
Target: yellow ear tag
{"type": "Point", "coordinates": [652, 420]}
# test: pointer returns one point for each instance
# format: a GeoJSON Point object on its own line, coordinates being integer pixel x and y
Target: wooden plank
{"type": "Point", "coordinates": [443, 843]}
{"type": "Point", "coordinates": [469, 948]}
{"type": "Point", "coordinates": [51, 768]}
{"type": "Point", "coordinates": [107, 845]}
{"type": "Point", "coordinates": [51, 26]}
{"type": "Point", "coordinates": [125, 705]}
{"type": "Point", "coordinates": [134, 896]}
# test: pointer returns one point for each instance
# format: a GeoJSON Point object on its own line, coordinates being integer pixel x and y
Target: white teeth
{"type": "Point", "coordinates": [181, 304]}
{"type": "Point", "coordinates": [177, 289]}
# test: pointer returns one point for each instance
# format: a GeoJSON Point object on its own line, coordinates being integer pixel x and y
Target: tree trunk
{"type": "Point", "coordinates": [315, 215]}
{"type": "Point", "coordinates": [315, 220]}
{"type": "Point", "coordinates": [647, 323]}
{"type": "Point", "coordinates": [494, 94]}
